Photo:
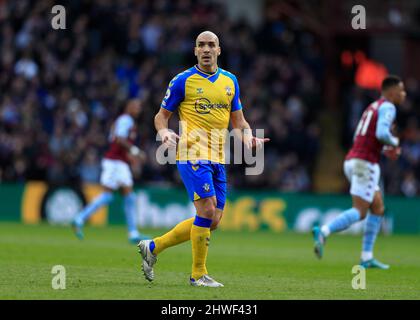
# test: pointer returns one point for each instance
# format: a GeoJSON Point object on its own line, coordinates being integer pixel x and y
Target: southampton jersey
{"type": "Point", "coordinates": [366, 145]}
{"type": "Point", "coordinates": [204, 103]}
{"type": "Point", "coordinates": [123, 127]}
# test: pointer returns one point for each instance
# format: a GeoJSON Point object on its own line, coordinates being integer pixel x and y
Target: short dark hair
{"type": "Point", "coordinates": [390, 81]}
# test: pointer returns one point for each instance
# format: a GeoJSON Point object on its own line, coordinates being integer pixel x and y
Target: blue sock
{"type": "Point", "coordinates": [202, 222]}
{"type": "Point", "coordinates": [130, 210]}
{"type": "Point", "coordinates": [103, 199]}
{"type": "Point", "coordinates": [344, 220]}
{"type": "Point", "coordinates": [372, 227]}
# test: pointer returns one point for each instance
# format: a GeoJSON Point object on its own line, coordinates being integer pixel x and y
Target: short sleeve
{"type": "Point", "coordinates": [123, 126]}
{"type": "Point", "coordinates": [386, 116]}
{"type": "Point", "coordinates": [236, 101]}
{"type": "Point", "coordinates": [174, 94]}
{"type": "Point", "coordinates": [386, 113]}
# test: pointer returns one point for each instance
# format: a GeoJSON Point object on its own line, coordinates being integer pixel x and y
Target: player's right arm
{"type": "Point", "coordinates": [386, 116]}
{"type": "Point", "coordinates": [174, 96]}
{"type": "Point", "coordinates": [161, 124]}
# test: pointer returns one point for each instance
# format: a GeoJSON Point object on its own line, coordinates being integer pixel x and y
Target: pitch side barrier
{"type": "Point", "coordinates": [251, 210]}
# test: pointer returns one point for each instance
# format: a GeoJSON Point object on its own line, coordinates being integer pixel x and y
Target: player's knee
{"type": "Point", "coordinates": [379, 211]}
{"type": "Point", "coordinates": [127, 191]}
{"type": "Point", "coordinates": [362, 211]}
{"type": "Point", "coordinates": [207, 208]}
{"type": "Point", "coordinates": [362, 206]}
{"type": "Point", "coordinates": [214, 224]}
{"type": "Point", "coordinates": [209, 211]}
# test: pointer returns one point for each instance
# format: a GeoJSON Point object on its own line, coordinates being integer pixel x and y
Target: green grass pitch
{"type": "Point", "coordinates": [261, 265]}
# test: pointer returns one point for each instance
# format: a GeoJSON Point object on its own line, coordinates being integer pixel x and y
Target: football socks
{"type": "Point", "coordinates": [372, 227]}
{"type": "Point", "coordinates": [103, 199]}
{"type": "Point", "coordinates": [342, 222]}
{"type": "Point", "coordinates": [200, 238]}
{"type": "Point", "coordinates": [130, 213]}
{"type": "Point", "coordinates": [180, 233]}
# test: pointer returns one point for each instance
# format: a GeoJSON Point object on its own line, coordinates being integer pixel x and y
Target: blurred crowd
{"type": "Point", "coordinates": [61, 89]}
{"type": "Point", "coordinates": [402, 176]}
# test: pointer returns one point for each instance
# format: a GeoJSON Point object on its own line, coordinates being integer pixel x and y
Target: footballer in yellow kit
{"type": "Point", "coordinates": [206, 98]}
{"type": "Point", "coordinates": [204, 103]}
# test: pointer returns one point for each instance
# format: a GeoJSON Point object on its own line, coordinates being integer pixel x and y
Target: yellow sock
{"type": "Point", "coordinates": [200, 237]}
{"type": "Point", "coordinates": [180, 233]}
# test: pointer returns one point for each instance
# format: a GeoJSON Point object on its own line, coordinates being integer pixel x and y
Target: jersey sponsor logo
{"type": "Point", "coordinates": [204, 106]}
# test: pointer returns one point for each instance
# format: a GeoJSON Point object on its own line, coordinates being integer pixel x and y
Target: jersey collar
{"type": "Point", "coordinates": [384, 99]}
{"type": "Point", "coordinates": [210, 76]}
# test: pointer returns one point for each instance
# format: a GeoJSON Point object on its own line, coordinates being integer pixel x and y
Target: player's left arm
{"type": "Point", "coordinates": [386, 117]}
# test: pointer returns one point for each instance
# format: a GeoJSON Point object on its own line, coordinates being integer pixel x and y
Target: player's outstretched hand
{"type": "Point", "coordinates": [137, 152]}
{"type": "Point", "coordinates": [169, 138]}
{"type": "Point", "coordinates": [255, 142]}
{"type": "Point", "coordinates": [391, 152]}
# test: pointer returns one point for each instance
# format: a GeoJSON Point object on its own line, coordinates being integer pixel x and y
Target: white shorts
{"type": "Point", "coordinates": [116, 174]}
{"type": "Point", "coordinates": [364, 178]}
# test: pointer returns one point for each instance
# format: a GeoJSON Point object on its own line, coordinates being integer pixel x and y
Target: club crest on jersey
{"type": "Point", "coordinates": [200, 91]}
{"type": "Point", "coordinates": [228, 91]}
{"type": "Point", "coordinates": [206, 187]}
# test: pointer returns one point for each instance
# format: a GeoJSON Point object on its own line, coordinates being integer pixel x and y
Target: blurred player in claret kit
{"type": "Point", "coordinates": [373, 135]}
{"type": "Point", "coordinates": [116, 173]}
{"type": "Point", "coordinates": [206, 98]}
